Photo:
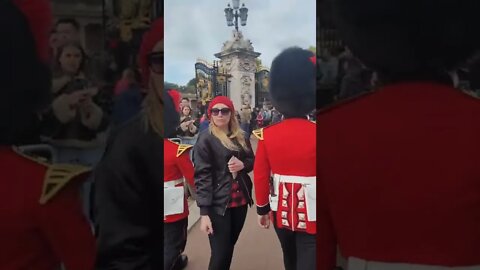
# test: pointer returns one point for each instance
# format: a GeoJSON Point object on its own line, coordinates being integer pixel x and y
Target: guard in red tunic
{"type": "Point", "coordinates": [284, 170]}
{"type": "Point", "coordinates": [399, 178]}
{"type": "Point", "coordinates": [177, 168]}
{"type": "Point", "coordinates": [42, 223]}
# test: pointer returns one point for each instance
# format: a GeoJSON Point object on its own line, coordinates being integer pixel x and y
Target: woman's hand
{"type": "Point", "coordinates": [184, 126]}
{"type": "Point", "coordinates": [235, 165]}
{"type": "Point", "coordinates": [264, 221]}
{"type": "Point", "coordinates": [206, 225]}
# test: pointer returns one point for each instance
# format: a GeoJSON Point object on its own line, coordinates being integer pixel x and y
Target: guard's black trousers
{"type": "Point", "coordinates": [226, 230]}
{"type": "Point", "coordinates": [299, 249]}
{"type": "Point", "coordinates": [174, 242]}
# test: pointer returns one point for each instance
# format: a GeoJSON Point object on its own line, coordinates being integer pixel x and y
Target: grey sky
{"type": "Point", "coordinates": [197, 29]}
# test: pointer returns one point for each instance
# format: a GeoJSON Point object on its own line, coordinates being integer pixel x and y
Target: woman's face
{"type": "Point", "coordinates": [70, 59]}
{"type": "Point", "coordinates": [186, 111]}
{"type": "Point", "coordinates": [221, 115]}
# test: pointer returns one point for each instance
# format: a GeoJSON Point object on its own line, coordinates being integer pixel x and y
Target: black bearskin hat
{"type": "Point", "coordinates": [293, 82]}
{"type": "Point", "coordinates": [25, 79]}
{"type": "Point", "coordinates": [409, 39]}
{"type": "Point", "coordinates": [171, 116]}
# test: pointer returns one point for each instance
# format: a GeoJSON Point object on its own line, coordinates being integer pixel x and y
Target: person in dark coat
{"type": "Point", "coordinates": [223, 158]}
{"type": "Point", "coordinates": [129, 186]}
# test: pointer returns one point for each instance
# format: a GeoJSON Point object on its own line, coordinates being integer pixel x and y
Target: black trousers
{"type": "Point", "coordinates": [174, 242]}
{"type": "Point", "coordinates": [226, 230]}
{"type": "Point", "coordinates": [299, 249]}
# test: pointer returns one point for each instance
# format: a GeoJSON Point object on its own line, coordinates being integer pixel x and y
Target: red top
{"type": "Point", "coordinates": [237, 197]}
{"type": "Point", "coordinates": [287, 148]}
{"type": "Point", "coordinates": [399, 177]}
{"type": "Point", "coordinates": [177, 168]}
{"type": "Point", "coordinates": [121, 86]}
{"type": "Point", "coordinates": [35, 236]}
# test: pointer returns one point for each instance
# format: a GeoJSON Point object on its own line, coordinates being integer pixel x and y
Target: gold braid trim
{"type": "Point", "coordinates": [258, 133]}
{"type": "Point", "coordinates": [57, 177]}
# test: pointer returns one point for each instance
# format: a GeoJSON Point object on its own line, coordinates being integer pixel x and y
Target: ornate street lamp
{"type": "Point", "coordinates": [243, 15]}
{"type": "Point", "coordinates": [229, 15]}
{"type": "Point", "coordinates": [235, 13]}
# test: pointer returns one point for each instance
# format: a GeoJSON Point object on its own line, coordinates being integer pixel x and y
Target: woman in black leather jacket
{"type": "Point", "coordinates": [223, 158]}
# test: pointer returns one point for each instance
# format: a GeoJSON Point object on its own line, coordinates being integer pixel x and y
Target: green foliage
{"type": "Point", "coordinates": [169, 85]}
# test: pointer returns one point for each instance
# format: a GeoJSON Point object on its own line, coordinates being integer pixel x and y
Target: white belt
{"type": "Point", "coordinates": [360, 264]}
{"type": "Point", "coordinates": [173, 198]}
{"type": "Point", "coordinates": [293, 179]}
{"type": "Point", "coordinates": [310, 186]}
{"type": "Point", "coordinates": [172, 183]}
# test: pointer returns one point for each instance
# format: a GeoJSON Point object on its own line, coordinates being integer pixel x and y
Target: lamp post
{"type": "Point", "coordinates": [232, 14]}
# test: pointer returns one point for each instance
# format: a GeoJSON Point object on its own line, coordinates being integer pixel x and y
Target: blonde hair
{"type": "Point", "coordinates": [153, 111]}
{"type": "Point", "coordinates": [237, 133]}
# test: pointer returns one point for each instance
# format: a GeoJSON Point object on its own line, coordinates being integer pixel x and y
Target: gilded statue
{"type": "Point", "coordinates": [133, 14]}
{"type": "Point", "coordinates": [204, 87]}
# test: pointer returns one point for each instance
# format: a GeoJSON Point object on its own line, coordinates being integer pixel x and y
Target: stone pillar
{"type": "Point", "coordinates": [238, 59]}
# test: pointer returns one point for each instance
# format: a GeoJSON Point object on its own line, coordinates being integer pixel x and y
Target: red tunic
{"type": "Point", "coordinates": [39, 236]}
{"type": "Point", "coordinates": [399, 177]}
{"type": "Point", "coordinates": [176, 165]}
{"type": "Point", "coordinates": [286, 148]}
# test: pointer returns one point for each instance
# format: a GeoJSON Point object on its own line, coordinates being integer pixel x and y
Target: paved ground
{"type": "Point", "coordinates": [256, 249]}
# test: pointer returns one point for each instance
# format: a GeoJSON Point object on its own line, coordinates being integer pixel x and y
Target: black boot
{"type": "Point", "coordinates": [181, 262]}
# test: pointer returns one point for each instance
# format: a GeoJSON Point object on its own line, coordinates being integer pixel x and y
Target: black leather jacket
{"type": "Point", "coordinates": [129, 199]}
{"type": "Point", "coordinates": [213, 180]}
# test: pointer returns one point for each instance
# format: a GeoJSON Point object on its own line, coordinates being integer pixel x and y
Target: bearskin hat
{"type": "Point", "coordinates": [410, 39]}
{"type": "Point", "coordinates": [293, 82]}
{"type": "Point", "coordinates": [24, 75]}
{"type": "Point", "coordinates": [171, 116]}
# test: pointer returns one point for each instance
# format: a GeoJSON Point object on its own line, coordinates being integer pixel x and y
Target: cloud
{"type": "Point", "coordinates": [197, 29]}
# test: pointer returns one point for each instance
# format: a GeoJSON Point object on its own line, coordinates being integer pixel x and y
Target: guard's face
{"type": "Point", "coordinates": [156, 68]}
{"type": "Point", "coordinates": [221, 115]}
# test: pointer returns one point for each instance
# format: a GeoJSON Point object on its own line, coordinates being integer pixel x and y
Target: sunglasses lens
{"type": "Point", "coordinates": [224, 111]}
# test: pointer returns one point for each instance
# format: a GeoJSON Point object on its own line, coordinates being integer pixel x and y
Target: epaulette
{"type": "Point", "coordinates": [258, 133]}
{"type": "Point", "coordinates": [342, 102]}
{"type": "Point", "coordinates": [182, 148]}
{"type": "Point", "coordinates": [57, 177]}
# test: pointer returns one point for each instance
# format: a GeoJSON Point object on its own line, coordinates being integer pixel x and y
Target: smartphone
{"type": "Point", "coordinates": [76, 85]}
